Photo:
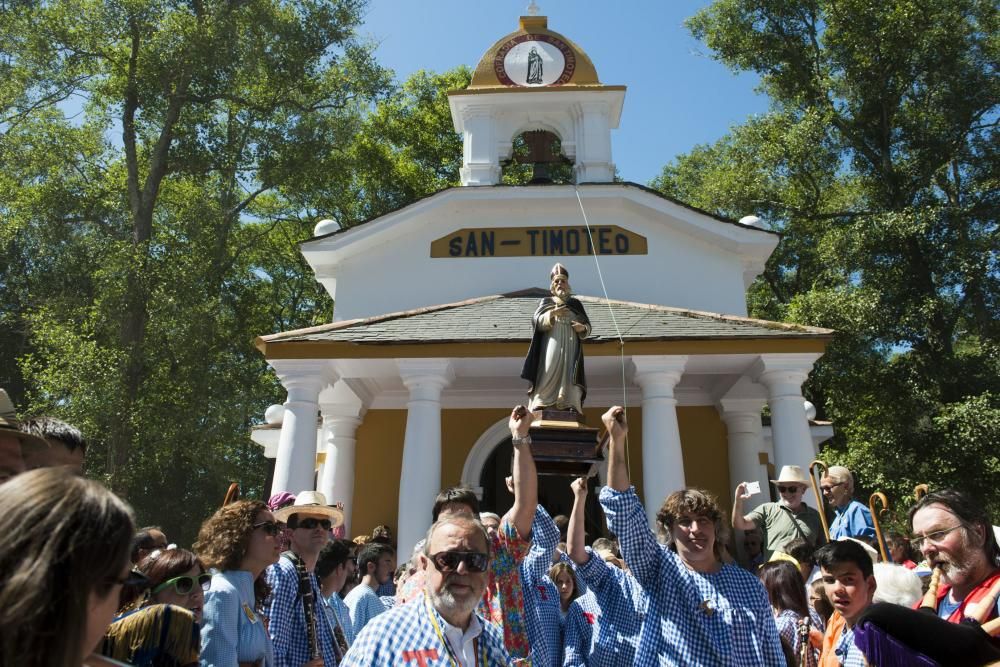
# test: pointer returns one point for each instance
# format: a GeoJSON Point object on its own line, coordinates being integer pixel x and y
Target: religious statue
{"type": "Point", "coordinates": [534, 67]}
{"type": "Point", "coordinates": [554, 364]}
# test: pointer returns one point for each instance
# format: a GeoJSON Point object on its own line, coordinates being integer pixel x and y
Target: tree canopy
{"type": "Point", "coordinates": [878, 161]}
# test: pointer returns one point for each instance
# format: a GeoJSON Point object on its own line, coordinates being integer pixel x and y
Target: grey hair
{"type": "Point", "coordinates": [458, 520]}
{"type": "Point", "coordinates": [841, 475]}
{"type": "Point", "coordinates": [483, 516]}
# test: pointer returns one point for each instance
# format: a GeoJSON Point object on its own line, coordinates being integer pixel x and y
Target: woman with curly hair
{"type": "Point", "coordinates": [64, 558]}
{"type": "Point", "coordinates": [239, 541]}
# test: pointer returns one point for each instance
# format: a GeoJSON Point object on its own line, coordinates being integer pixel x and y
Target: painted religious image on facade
{"type": "Point", "coordinates": [535, 60]}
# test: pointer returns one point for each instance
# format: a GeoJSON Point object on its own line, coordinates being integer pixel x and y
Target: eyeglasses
{"type": "Point", "coordinates": [827, 489]}
{"type": "Point", "coordinates": [447, 561]}
{"type": "Point", "coordinates": [788, 489]}
{"type": "Point", "coordinates": [184, 585]}
{"type": "Point", "coordinates": [935, 538]}
{"type": "Point", "coordinates": [270, 527]}
{"type": "Point", "coordinates": [312, 523]}
{"type": "Point", "coordinates": [133, 578]}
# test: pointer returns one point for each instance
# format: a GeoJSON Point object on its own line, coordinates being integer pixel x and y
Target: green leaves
{"type": "Point", "coordinates": [878, 163]}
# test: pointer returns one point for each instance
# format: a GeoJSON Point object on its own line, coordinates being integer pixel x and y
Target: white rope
{"type": "Point", "coordinates": [614, 321]}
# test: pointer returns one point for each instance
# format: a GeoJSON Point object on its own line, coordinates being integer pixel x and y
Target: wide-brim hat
{"type": "Point", "coordinates": [9, 424]}
{"type": "Point", "coordinates": [791, 475]}
{"type": "Point", "coordinates": [311, 502]}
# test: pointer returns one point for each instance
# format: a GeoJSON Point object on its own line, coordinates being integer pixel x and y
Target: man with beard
{"type": "Point", "coordinates": [954, 533]}
{"type": "Point", "coordinates": [297, 622]}
{"type": "Point", "coordinates": [440, 626]}
{"type": "Point", "coordinates": [554, 364]}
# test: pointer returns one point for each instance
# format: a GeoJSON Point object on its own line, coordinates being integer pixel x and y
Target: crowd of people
{"type": "Point", "coordinates": [277, 584]}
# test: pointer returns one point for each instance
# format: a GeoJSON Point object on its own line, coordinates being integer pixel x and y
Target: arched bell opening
{"type": "Point", "coordinates": [537, 158]}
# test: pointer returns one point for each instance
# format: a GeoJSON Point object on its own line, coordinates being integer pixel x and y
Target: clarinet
{"type": "Point", "coordinates": [308, 604]}
{"type": "Point", "coordinates": [804, 647]}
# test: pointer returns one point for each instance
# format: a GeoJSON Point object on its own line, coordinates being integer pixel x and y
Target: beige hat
{"type": "Point", "coordinates": [791, 475]}
{"type": "Point", "coordinates": [9, 423]}
{"type": "Point", "coordinates": [311, 502]}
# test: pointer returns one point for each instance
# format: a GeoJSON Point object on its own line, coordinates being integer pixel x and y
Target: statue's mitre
{"type": "Point", "coordinates": [559, 270]}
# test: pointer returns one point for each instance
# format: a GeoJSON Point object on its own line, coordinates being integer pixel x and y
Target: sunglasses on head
{"type": "Point", "coordinates": [447, 561]}
{"type": "Point", "coordinates": [787, 489]}
{"type": "Point", "coordinates": [311, 523]}
{"type": "Point", "coordinates": [184, 585]}
{"type": "Point", "coordinates": [269, 527]}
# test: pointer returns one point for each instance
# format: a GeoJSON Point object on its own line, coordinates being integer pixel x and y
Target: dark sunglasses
{"type": "Point", "coordinates": [787, 489]}
{"type": "Point", "coordinates": [133, 578]}
{"type": "Point", "coordinates": [270, 527]}
{"type": "Point", "coordinates": [311, 523]}
{"type": "Point", "coordinates": [447, 561]}
{"type": "Point", "coordinates": [184, 585]}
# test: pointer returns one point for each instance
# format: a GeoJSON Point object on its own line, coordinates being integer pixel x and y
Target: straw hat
{"type": "Point", "coordinates": [791, 475]}
{"type": "Point", "coordinates": [9, 423]}
{"type": "Point", "coordinates": [311, 502]}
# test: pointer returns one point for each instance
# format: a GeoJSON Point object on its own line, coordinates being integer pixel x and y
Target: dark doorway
{"type": "Point", "coordinates": [554, 493]}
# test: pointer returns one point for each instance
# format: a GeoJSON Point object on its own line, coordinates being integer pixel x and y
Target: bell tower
{"type": "Point", "coordinates": [536, 79]}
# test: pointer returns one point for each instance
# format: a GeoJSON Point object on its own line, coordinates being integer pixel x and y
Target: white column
{"type": "Point", "coordinates": [295, 465]}
{"type": "Point", "coordinates": [783, 375]}
{"type": "Point", "coordinates": [593, 157]}
{"type": "Point", "coordinates": [420, 479]}
{"type": "Point", "coordinates": [480, 161]}
{"type": "Point", "coordinates": [340, 423]}
{"type": "Point", "coordinates": [662, 458]}
{"type": "Point", "coordinates": [746, 443]}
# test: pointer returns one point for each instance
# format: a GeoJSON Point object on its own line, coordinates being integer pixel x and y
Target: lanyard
{"type": "Point", "coordinates": [447, 645]}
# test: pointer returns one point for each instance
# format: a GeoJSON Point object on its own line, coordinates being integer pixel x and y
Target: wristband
{"type": "Point", "coordinates": [517, 441]}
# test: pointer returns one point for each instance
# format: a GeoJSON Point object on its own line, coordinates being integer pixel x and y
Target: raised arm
{"type": "Point", "coordinates": [576, 534]}
{"type": "Point", "coordinates": [741, 521]}
{"type": "Point", "coordinates": [614, 422]}
{"type": "Point", "coordinates": [525, 477]}
{"type": "Point", "coordinates": [544, 540]}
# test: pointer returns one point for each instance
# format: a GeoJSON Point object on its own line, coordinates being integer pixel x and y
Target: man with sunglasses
{"type": "Point", "coordinates": [786, 520]}
{"type": "Point", "coordinates": [297, 624]}
{"type": "Point", "coordinates": [954, 533]}
{"type": "Point", "coordinates": [441, 626]}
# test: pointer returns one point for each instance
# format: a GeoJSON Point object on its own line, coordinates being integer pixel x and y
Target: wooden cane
{"type": "Point", "coordinates": [930, 600]}
{"type": "Point", "coordinates": [878, 495]}
{"type": "Point", "coordinates": [232, 494]}
{"type": "Point", "coordinates": [819, 496]}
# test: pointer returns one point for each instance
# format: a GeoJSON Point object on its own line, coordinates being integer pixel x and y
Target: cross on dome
{"type": "Point", "coordinates": [533, 9]}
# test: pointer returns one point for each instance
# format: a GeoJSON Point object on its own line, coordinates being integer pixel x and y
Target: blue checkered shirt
{"type": "Point", "coordinates": [287, 619]}
{"type": "Point", "coordinates": [405, 637]}
{"type": "Point", "coordinates": [719, 619]}
{"type": "Point", "coordinates": [621, 605]}
{"type": "Point", "coordinates": [847, 652]}
{"type": "Point", "coordinates": [231, 630]}
{"type": "Point", "coordinates": [364, 605]}
{"type": "Point", "coordinates": [343, 616]}
{"type": "Point", "coordinates": [541, 598]}
{"type": "Point", "coordinates": [581, 629]}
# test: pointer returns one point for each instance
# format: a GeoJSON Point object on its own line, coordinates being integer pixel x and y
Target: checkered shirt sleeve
{"type": "Point", "coordinates": [623, 604]}
{"type": "Point", "coordinates": [541, 599]}
{"type": "Point", "coordinates": [405, 636]}
{"type": "Point", "coordinates": [722, 618]}
{"type": "Point", "coordinates": [287, 619]}
{"type": "Point", "coordinates": [228, 634]}
{"type": "Point", "coordinates": [343, 616]}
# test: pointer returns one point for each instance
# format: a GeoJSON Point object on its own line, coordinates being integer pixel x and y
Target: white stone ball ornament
{"type": "Point", "coordinates": [326, 226]}
{"type": "Point", "coordinates": [274, 413]}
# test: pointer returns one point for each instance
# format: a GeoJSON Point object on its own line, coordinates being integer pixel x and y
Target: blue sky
{"type": "Point", "coordinates": [677, 97]}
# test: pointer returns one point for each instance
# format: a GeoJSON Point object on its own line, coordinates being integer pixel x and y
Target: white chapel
{"type": "Point", "coordinates": [408, 389]}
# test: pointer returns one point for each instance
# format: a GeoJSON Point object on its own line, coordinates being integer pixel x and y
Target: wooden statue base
{"type": "Point", "coordinates": [562, 444]}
